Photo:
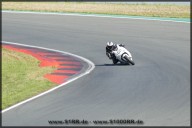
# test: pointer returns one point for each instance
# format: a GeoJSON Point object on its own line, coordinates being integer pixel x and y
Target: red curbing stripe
{"type": "Point", "coordinates": [60, 66]}
{"type": "Point", "coordinates": [53, 59]}
{"type": "Point", "coordinates": [56, 78]}
{"type": "Point", "coordinates": [65, 71]}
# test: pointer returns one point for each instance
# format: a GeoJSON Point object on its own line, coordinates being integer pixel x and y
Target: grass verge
{"type": "Point", "coordinates": [159, 10]}
{"type": "Point", "coordinates": [22, 78]}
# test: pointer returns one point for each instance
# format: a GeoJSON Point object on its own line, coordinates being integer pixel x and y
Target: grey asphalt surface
{"type": "Point", "coordinates": [155, 90]}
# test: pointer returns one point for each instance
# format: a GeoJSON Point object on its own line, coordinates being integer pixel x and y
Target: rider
{"type": "Point", "coordinates": [109, 48]}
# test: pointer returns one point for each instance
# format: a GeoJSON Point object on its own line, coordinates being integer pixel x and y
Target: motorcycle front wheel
{"type": "Point", "coordinates": [129, 61]}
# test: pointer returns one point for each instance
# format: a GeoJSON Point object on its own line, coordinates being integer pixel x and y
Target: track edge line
{"type": "Point", "coordinates": [90, 68]}
{"type": "Point", "coordinates": [94, 15]}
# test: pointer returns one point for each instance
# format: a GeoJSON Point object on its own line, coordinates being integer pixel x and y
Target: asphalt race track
{"type": "Point", "coordinates": [155, 90]}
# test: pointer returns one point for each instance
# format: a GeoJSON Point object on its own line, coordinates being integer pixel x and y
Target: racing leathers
{"type": "Point", "coordinates": [110, 55]}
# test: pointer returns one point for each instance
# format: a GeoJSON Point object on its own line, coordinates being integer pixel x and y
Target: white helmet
{"type": "Point", "coordinates": [110, 45]}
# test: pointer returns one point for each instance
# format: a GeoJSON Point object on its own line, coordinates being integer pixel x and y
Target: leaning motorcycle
{"type": "Point", "coordinates": [123, 55]}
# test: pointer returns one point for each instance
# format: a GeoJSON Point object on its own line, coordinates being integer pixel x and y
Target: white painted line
{"type": "Point", "coordinates": [90, 15]}
{"type": "Point", "coordinates": [90, 68]}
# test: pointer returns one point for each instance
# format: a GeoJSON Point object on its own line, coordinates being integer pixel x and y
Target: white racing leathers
{"type": "Point", "coordinates": [123, 55]}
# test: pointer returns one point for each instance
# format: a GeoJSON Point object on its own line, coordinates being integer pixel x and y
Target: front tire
{"type": "Point", "coordinates": [129, 61]}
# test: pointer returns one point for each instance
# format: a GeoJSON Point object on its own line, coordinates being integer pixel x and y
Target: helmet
{"type": "Point", "coordinates": [110, 45]}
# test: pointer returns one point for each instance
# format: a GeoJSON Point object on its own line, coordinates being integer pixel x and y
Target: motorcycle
{"type": "Point", "coordinates": [123, 55]}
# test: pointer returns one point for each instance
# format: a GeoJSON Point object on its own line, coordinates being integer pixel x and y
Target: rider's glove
{"type": "Point", "coordinates": [108, 54]}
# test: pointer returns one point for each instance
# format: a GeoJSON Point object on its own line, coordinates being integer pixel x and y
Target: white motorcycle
{"type": "Point", "coordinates": [123, 55]}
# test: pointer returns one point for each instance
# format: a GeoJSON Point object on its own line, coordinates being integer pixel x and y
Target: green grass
{"type": "Point", "coordinates": [166, 11]}
{"type": "Point", "coordinates": [22, 78]}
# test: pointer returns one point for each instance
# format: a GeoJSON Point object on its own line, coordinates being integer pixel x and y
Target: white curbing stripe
{"type": "Point", "coordinates": [89, 15]}
{"type": "Point", "coordinates": [90, 68]}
